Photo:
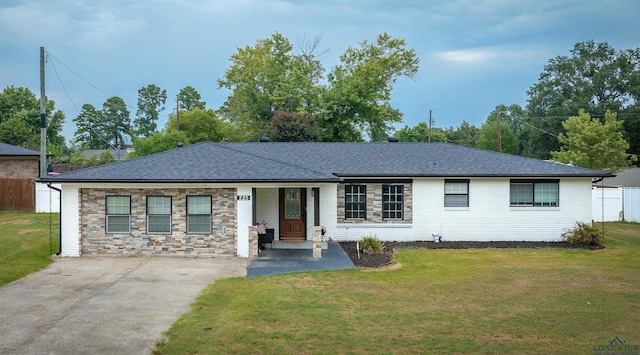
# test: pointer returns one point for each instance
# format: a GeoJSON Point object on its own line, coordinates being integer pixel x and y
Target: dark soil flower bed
{"type": "Point", "coordinates": [386, 257]}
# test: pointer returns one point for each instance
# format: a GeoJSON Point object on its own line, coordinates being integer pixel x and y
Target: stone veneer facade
{"type": "Point", "coordinates": [374, 202]}
{"type": "Point", "coordinates": [221, 240]}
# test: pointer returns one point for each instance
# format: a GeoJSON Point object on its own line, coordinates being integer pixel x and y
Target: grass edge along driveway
{"type": "Point", "coordinates": [526, 301]}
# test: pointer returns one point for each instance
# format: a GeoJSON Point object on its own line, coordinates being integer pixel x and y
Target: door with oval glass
{"type": "Point", "coordinates": [293, 207]}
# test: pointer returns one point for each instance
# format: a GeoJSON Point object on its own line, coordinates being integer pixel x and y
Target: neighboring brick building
{"type": "Point", "coordinates": [18, 162]}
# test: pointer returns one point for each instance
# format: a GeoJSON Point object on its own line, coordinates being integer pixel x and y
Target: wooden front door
{"type": "Point", "coordinates": [293, 217]}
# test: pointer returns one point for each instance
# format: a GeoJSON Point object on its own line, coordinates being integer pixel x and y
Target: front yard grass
{"type": "Point", "coordinates": [527, 301]}
{"type": "Point", "coordinates": [24, 243]}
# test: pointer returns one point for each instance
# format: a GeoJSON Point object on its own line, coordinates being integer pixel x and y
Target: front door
{"type": "Point", "coordinates": [293, 207]}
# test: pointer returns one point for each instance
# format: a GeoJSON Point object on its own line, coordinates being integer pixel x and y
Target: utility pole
{"type": "Point", "coordinates": [177, 114]}
{"type": "Point", "coordinates": [499, 133]}
{"type": "Point", "coordinates": [430, 123]}
{"type": "Point", "coordinates": [43, 119]}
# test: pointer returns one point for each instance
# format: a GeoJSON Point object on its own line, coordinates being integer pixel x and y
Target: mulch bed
{"type": "Point", "coordinates": [386, 257]}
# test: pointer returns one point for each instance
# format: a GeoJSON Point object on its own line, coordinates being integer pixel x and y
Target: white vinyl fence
{"type": "Point", "coordinates": [47, 200]}
{"type": "Point", "coordinates": [615, 204]}
{"type": "Point", "coordinates": [632, 204]}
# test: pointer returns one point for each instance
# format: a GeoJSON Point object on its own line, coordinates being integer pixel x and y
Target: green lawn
{"type": "Point", "coordinates": [25, 243]}
{"type": "Point", "coordinates": [527, 301]}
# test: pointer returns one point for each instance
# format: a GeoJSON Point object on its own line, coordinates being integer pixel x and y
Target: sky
{"type": "Point", "coordinates": [474, 54]}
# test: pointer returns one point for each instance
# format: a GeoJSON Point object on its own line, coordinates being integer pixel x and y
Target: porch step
{"type": "Point", "coordinates": [304, 244]}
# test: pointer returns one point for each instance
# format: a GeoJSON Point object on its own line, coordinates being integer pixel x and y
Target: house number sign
{"type": "Point", "coordinates": [244, 197]}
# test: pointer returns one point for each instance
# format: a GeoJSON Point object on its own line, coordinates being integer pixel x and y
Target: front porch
{"type": "Point", "coordinates": [280, 261]}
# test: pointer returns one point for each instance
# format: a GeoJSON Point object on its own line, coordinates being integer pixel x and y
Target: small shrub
{"type": "Point", "coordinates": [584, 234]}
{"type": "Point", "coordinates": [371, 245]}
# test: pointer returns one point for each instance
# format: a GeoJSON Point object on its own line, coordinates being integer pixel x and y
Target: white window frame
{"type": "Point", "coordinates": [190, 213]}
{"type": "Point", "coordinates": [121, 210]}
{"type": "Point", "coordinates": [162, 213]}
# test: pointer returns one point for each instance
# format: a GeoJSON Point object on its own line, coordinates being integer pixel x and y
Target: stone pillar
{"type": "Point", "coordinates": [317, 242]}
{"type": "Point", "coordinates": [253, 241]}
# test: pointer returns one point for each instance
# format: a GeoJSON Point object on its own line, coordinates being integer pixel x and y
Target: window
{"type": "Point", "coordinates": [118, 211]}
{"type": "Point", "coordinates": [159, 214]}
{"type": "Point", "coordinates": [456, 193]}
{"type": "Point", "coordinates": [392, 205]}
{"type": "Point", "coordinates": [199, 214]}
{"type": "Point", "coordinates": [542, 193]}
{"type": "Point", "coordinates": [355, 199]}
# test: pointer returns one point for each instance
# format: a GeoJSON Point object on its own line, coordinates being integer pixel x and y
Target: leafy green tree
{"type": "Point", "coordinates": [358, 97]}
{"type": "Point", "coordinates": [263, 79]}
{"type": "Point", "coordinates": [90, 129]}
{"type": "Point", "coordinates": [466, 134]}
{"type": "Point", "coordinates": [287, 126]}
{"type": "Point", "coordinates": [116, 122]}
{"type": "Point", "coordinates": [20, 120]}
{"type": "Point", "coordinates": [592, 144]}
{"type": "Point", "coordinates": [103, 158]}
{"type": "Point", "coordinates": [151, 100]}
{"type": "Point", "coordinates": [202, 125]}
{"type": "Point", "coordinates": [189, 99]}
{"type": "Point", "coordinates": [157, 142]}
{"type": "Point", "coordinates": [488, 137]}
{"type": "Point", "coordinates": [420, 133]}
{"type": "Point", "coordinates": [595, 78]}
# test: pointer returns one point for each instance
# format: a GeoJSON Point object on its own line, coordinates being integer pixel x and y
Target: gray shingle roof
{"type": "Point", "coordinates": [12, 150]}
{"type": "Point", "coordinates": [240, 162]}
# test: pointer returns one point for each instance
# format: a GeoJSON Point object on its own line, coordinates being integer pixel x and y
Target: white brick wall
{"type": "Point", "coordinates": [488, 217]}
{"type": "Point", "coordinates": [70, 224]}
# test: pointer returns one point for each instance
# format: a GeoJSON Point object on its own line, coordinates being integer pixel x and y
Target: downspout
{"type": "Point", "coordinates": [59, 217]}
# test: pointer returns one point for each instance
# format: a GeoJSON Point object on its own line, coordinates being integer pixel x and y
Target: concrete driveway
{"type": "Point", "coordinates": [102, 305]}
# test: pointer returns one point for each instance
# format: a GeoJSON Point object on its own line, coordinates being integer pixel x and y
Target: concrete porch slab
{"type": "Point", "coordinates": [280, 261]}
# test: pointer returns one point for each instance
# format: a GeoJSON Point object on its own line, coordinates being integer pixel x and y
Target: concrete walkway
{"type": "Point", "coordinates": [280, 261]}
{"type": "Point", "coordinates": [101, 305]}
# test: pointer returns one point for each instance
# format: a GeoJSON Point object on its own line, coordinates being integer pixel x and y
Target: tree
{"type": "Point", "coordinates": [287, 126]}
{"type": "Point", "coordinates": [151, 100]}
{"type": "Point", "coordinates": [592, 144]}
{"type": "Point", "coordinates": [189, 99]}
{"type": "Point", "coordinates": [103, 158]}
{"type": "Point", "coordinates": [157, 142]}
{"type": "Point", "coordinates": [358, 96]}
{"type": "Point", "coordinates": [20, 120]}
{"type": "Point", "coordinates": [203, 126]}
{"type": "Point", "coordinates": [420, 133]}
{"type": "Point", "coordinates": [466, 134]}
{"type": "Point", "coordinates": [89, 129]}
{"type": "Point", "coordinates": [595, 78]}
{"type": "Point", "coordinates": [488, 137]}
{"type": "Point", "coordinates": [263, 79]}
{"type": "Point", "coordinates": [115, 123]}
{"type": "Point", "coordinates": [354, 101]}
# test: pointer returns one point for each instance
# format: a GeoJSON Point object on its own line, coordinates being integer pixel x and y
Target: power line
{"type": "Point", "coordinates": [74, 105]}
{"type": "Point", "coordinates": [78, 75]}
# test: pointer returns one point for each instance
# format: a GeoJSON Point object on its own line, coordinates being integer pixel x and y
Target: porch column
{"type": "Point", "coordinates": [253, 241]}
{"type": "Point", "coordinates": [244, 210]}
{"type": "Point", "coordinates": [317, 242]}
